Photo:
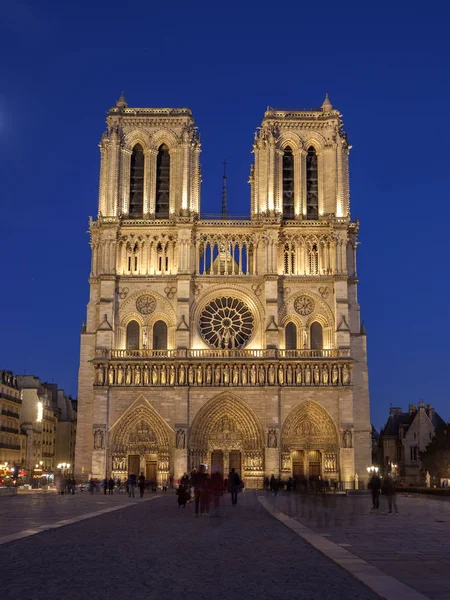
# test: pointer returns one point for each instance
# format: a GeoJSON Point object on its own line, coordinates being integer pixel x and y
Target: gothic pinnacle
{"type": "Point", "coordinates": [327, 106]}
{"type": "Point", "coordinates": [121, 102]}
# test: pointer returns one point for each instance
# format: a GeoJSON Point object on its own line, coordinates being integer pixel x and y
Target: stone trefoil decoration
{"type": "Point", "coordinates": [123, 292]}
{"type": "Point", "coordinates": [226, 323]}
{"type": "Point", "coordinates": [146, 304]}
{"type": "Point", "coordinates": [224, 374]}
{"type": "Point", "coordinates": [170, 292]}
{"type": "Point", "coordinates": [304, 305]}
{"type": "Point", "coordinates": [324, 292]}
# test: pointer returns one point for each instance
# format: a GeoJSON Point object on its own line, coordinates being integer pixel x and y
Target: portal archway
{"type": "Point", "coordinates": [310, 443]}
{"type": "Point", "coordinates": [141, 441]}
{"type": "Point", "coordinates": [226, 429]}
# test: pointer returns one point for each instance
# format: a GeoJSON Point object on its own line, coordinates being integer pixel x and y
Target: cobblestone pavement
{"type": "Point", "coordinates": [29, 511]}
{"type": "Point", "coordinates": [413, 547]}
{"type": "Point", "coordinates": [155, 549]}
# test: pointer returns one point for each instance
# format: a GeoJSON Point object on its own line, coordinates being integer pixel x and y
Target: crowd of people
{"type": "Point", "coordinates": [202, 489]}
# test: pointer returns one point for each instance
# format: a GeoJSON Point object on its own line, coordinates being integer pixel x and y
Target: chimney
{"type": "Point", "coordinates": [421, 405]}
{"type": "Point", "coordinates": [395, 411]}
{"type": "Point", "coordinates": [412, 408]}
{"type": "Point", "coordinates": [430, 411]}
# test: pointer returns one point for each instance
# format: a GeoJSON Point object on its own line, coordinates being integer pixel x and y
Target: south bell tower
{"type": "Point", "coordinates": [233, 342]}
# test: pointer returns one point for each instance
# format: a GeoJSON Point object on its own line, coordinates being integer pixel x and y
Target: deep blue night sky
{"type": "Point", "coordinates": [385, 67]}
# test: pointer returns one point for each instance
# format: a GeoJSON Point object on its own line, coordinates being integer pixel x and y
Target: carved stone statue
{"type": "Point", "coordinates": [298, 375]}
{"type": "Point", "coordinates": [98, 440]}
{"type": "Point", "coordinates": [428, 479]}
{"type": "Point", "coordinates": [244, 375]}
{"type": "Point", "coordinates": [199, 375]}
{"type": "Point", "coordinates": [217, 374]}
{"type": "Point", "coordinates": [172, 375]}
{"type": "Point", "coordinates": [272, 438]}
{"type": "Point", "coordinates": [226, 374]}
{"type": "Point", "coordinates": [111, 375]}
{"type": "Point", "coordinates": [280, 375]}
{"type": "Point", "coordinates": [307, 375]}
{"type": "Point", "coordinates": [100, 375]}
{"type": "Point", "coordinates": [347, 438]}
{"type": "Point", "coordinates": [271, 374]}
{"type": "Point", "coordinates": [235, 375]}
{"type": "Point", "coordinates": [163, 375]}
{"type": "Point", "coordinates": [316, 375]}
{"type": "Point", "coordinates": [137, 375]}
{"type": "Point", "coordinates": [120, 375]}
{"type": "Point", "coordinates": [334, 375]}
{"type": "Point", "coordinates": [146, 375]}
{"type": "Point", "coordinates": [128, 375]}
{"type": "Point", "coordinates": [356, 481]}
{"type": "Point", "coordinates": [325, 375]}
{"type": "Point", "coordinates": [289, 374]}
{"type": "Point", "coordinates": [345, 375]}
{"type": "Point", "coordinates": [261, 375]}
{"type": "Point", "coordinates": [253, 375]}
{"type": "Point", "coordinates": [208, 375]}
{"type": "Point", "coordinates": [191, 375]}
{"type": "Point", "coordinates": [154, 375]}
{"type": "Point", "coordinates": [181, 375]}
{"type": "Point", "coordinates": [181, 439]}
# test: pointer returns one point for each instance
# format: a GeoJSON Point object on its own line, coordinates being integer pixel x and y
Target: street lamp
{"type": "Point", "coordinates": [372, 470]}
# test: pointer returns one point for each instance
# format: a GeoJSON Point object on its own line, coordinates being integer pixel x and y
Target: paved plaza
{"type": "Point", "coordinates": [151, 547]}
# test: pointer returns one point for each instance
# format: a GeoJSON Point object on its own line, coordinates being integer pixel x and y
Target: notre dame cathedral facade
{"type": "Point", "coordinates": [230, 342]}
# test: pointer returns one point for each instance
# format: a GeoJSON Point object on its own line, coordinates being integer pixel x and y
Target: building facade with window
{"type": "Point", "coordinates": [225, 341]}
{"type": "Point", "coordinates": [12, 441]}
{"type": "Point", "coordinates": [404, 437]}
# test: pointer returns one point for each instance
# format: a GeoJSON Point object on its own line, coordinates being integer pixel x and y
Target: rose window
{"type": "Point", "coordinates": [146, 304]}
{"type": "Point", "coordinates": [226, 323]}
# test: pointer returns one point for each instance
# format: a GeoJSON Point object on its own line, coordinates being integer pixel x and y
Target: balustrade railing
{"type": "Point", "coordinates": [210, 353]}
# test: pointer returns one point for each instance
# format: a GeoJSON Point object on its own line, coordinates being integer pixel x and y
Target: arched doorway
{"type": "Point", "coordinates": [226, 433]}
{"type": "Point", "coordinates": [140, 441]}
{"type": "Point", "coordinates": [309, 443]}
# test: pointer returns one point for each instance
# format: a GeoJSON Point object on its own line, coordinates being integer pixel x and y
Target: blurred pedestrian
{"type": "Point", "coordinates": [141, 481]}
{"type": "Point", "coordinates": [273, 485]}
{"type": "Point", "coordinates": [111, 486]}
{"type": "Point", "coordinates": [389, 490]}
{"type": "Point", "coordinates": [217, 490]}
{"type": "Point", "coordinates": [375, 487]}
{"type": "Point", "coordinates": [234, 483]}
{"type": "Point", "coordinates": [131, 484]}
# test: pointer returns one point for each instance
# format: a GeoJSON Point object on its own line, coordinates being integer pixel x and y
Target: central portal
{"type": "Point", "coordinates": [217, 462]}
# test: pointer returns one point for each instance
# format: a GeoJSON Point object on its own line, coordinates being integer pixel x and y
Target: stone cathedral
{"type": "Point", "coordinates": [234, 342]}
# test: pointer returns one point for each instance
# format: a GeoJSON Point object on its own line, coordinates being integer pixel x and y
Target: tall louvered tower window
{"type": "Point", "coordinates": [162, 182]}
{"type": "Point", "coordinates": [288, 183]}
{"type": "Point", "coordinates": [137, 183]}
{"type": "Point", "coordinates": [312, 185]}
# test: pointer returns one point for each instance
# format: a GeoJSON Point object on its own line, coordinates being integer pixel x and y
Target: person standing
{"type": "Point", "coordinates": [199, 480]}
{"type": "Point", "coordinates": [131, 484]}
{"type": "Point", "coordinates": [390, 492]}
{"type": "Point", "coordinates": [375, 487]}
{"type": "Point", "coordinates": [234, 483]}
{"type": "Point", "coordinates": [141, 483]}
{"type": "Point", "coordinates": [111, 486]}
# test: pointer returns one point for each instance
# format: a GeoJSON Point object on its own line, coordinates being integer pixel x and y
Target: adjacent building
{"type": "Point", "coordinates": [66, 430]}
{"type": "Point", "coordinates": [12, 441]}
{"type": "Point", "coordinates": [404, 436]}
{"type": "Point", "coordinates": [234, 342]}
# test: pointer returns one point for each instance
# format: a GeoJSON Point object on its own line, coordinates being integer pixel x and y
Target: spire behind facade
{"type": "Point", "coordinates": [224, 192]}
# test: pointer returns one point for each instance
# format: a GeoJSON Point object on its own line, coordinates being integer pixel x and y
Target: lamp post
{"type": "Point", "coordinates": [371, 470]}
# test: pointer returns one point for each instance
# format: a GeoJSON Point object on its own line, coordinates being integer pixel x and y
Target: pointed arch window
{"type": "Point", "coordinates": [137, 183]}
{"type": "Point", "coordinates": [162, 182]}
{"type": "Point", "coordinates": [291, 336]}
{"type": "Point", "coordinates": [288, 183]}
{"type": "Point", "coordinates": [133, 331]}
{"type": "Point", "coordinates": [316, 336]}
{"type": "Point", "coordinates": [159, 336]}
{"type": "Point", "coordinates": [312, 185]}
{"type": "Point", "coordinates": [313, 260]}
